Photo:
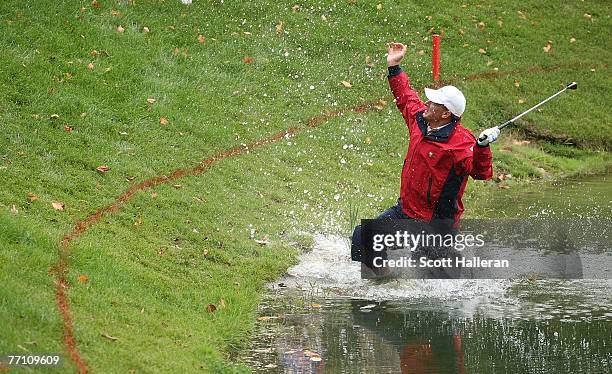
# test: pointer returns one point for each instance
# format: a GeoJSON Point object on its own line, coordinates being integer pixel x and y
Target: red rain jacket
{"type": "Point", "coordinates": [437, 166]}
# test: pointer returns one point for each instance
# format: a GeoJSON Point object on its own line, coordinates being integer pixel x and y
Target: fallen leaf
{"type": "Point", "coordinates": [54, 116]}
{"type": "Point", "coordinates": [58, 205]}
{"type": "Point", "coordinates": [247, 60]}
{"type": "Point", "coordinates": [153, 195]}
{"type": "Point", "coordinates": [82, 278]}
{"type": "Point", "coordinates": [177, 186]}
{"type": "Point", "coordinates": [32, 197]}
{"type": "Point", "coordinates": [94, 53]}
{"type": "Point", "coordinates": [201, 38]}
{"type": "Point", "coordinates": [120, 28]}
{"type": "Point", "coordinates": [421, 52]}
{"type": "Point", "coordinates": [316, 305]}
{"type": "Point", "coordinates": [262, 241]}
{"type": "Point", "coordinates": [138, 222]}
{"type": "Point", "coordinates": [108, 336]}
{"type": "Point", "coordinates": [500, 23]}
{"type": "Point", "coordinates": [295, 8]}
{"type": "Point", "coordinates": [548, 46]}
{"type": "Point", "coordinates": [323, 18]}
{"type": "Point", "coordinates": [222, 303]}
{"type": "Point", "coordinates": [346, 84]}
{"type": "Point", "coordinates": [90, 66]}
{"type": "Point", "coordinates": [267, 318]}
{"type": "Point", "coordinates": [521, 14]}
{"type": "Point", "coordinates": [150, 100]}
{"type": "Point", "coordinates": [380, 105]}
{"type": "Point", "coordinates": [210, 308]}
{"type": "Point", "coordinates": [521, 101]}
{"type": "Point", "coordinates": [379, 7]}
{"type": "Point", "coordinates": [461, 31]}
{"type": "Point", "coordinates": [572, 40]}
{"type": "Point", "coordinates": [517, 83]}
{"type": "Point", "coordinates": [67, 128]}
{"type": "Point", "coordinates": [103, 168]}
{"type": "Point", "coordinates": [163, 121]}
{"type": "Point", "coordinates": [482, 51]}
{"type": "Point", "coordinates": [247, 33]}
{"type": "Point", "coordinates": [95, 4]}
{"type": "Point", "coordinates": [588, 16]}
{"type": "Point", "coordinates": [14, 209]}
{"type": "Point", "coordinates": [129, 178]}
{"type": "Point", "coordinates": [145, 29]}
{"type": "Point", "coordinates": [481, 25]}
{"type": "Point", "coordinates": [115, 13]}
{"type": "Point", "coordinates": [280, 27]}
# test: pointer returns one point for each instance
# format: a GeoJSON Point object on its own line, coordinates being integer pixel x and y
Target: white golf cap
{"type": "Point", "coordinates": [450, 97]}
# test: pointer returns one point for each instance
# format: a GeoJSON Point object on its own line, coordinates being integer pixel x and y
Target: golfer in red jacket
{"type": "Point", "coordinates": [441, 153]}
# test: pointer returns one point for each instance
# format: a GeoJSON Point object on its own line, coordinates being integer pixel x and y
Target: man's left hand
{"type": "Point", "coordinates": [488, 136]}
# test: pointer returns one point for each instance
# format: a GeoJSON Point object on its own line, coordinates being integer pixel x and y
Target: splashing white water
{"type": "Point", "coordinates": [328, 267]}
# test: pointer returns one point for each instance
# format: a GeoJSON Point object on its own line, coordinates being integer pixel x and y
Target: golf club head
{"type": "Point", "coordinates": [572, 86]}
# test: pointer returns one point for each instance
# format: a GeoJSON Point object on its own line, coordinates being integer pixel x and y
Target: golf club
{"type": "Point", "coordinates": [571, 86]}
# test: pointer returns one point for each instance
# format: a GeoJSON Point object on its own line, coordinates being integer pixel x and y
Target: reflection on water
{"type": "Point", "coordinates": [324, 318]}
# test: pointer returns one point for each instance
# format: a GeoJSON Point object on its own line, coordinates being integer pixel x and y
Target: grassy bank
{"type": "Point", "coordinates": [85, 86]}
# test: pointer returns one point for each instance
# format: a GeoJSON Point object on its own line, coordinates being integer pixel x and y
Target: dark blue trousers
{"type": "Point", "coordinates": [357, 254]}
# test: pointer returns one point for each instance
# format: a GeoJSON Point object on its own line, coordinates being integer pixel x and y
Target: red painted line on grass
{"type": "Point", "coordinates": [81, 226]}
{"type": "Point", "coordinates": [61, 268]}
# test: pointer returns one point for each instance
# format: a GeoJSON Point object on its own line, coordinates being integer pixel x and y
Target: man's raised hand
{"type": "Point", "coordinates": [395, 53]}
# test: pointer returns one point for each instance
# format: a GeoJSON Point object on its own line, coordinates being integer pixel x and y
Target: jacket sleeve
{"type": "Point", "coordinates": [477, 163]}
{"type": "Point", "coordinates": [406, 99]}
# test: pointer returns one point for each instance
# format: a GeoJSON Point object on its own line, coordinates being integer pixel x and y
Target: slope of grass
{"type": "Point", "coordinates": [73, 97]}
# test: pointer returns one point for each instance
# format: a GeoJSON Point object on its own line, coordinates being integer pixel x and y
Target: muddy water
{"type": "Point", "coordinates": [323, 317]}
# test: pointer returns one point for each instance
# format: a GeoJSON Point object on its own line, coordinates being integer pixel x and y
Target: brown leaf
{"type": "Point", "coordinates": [210, 308]}
{"type": "Point", "coordinates": [521, 14]}
{"type": "Point", "coordinates": [32, 197]}
{"type": "Point", "coordinates": [138, 222]}
{"type": "Point", "coordinates": [95, 4]}
{"type": "Point", "coordinates": [572, 40]}
{"type": "Point", "coordinates": [521, 101]}
{"type": "Point", "coordinates": [103, 168]}
{"type": "Point", "coordinates": [90, 66]}
{"type": "Point", "coordinates": [105, 335]}
{"type": "Point", "coordinates": [150, 100]}
{"type": "Point", "coordinates": [517, 83]}
{"type": "Point", "coordinates": [588, 16]}
{"type": "Point", "coordinates": [481, 25]}
{"type": "Point", "coordinates": [380, 104]}
{"type": "Point", "coordinates": [280, 27]}
{"type": "Point", "coordinates": [145, 29]}
{"type": "Point", "coordinates": [120, 28]}
{"type": "Point", "coordinates": [58, 206]}
{"type": "Point", "coordinates": [82, 278]}
{"type": "Point", "coordinates": [295, 8]}
{"type": "Point", "coordinates": [67, 128]}
{"type": "Point", "coordinates": [201, 38]}
{"type": "Point", "coordinates": [267, 318]}
{"type": "Point", "coordinates": [94, 53]}
{"type": "Point", "coordinates": [55, 116]}
{"type": "Point", "coordinates": [247, 60]}
{"type": "Point", "coordinates": [153, 195]}
{"type": "Point", "coordinates": [548, 46]}
{"type": "Point", "coordinates": [346, 84]}
{"type": "Point", "coordinates": [163, 121]}
{"type": "Point", "coordinates": [115, 13]}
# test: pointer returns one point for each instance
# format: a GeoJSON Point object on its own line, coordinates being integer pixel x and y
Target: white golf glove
{"type": "Point", "coordinates": [488, 136]}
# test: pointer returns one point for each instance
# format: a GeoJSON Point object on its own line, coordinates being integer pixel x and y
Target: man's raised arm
{"type": "Point", "coordinates": [406, 99]}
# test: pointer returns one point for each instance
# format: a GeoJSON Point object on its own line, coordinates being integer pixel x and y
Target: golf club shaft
{"type": "Point", "coordinates": [530, 109]}
{"type": "Point", "coordinates": [571, 86]}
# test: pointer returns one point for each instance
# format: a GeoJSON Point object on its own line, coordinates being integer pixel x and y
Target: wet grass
{"type": "Point", "coordinates": [154, 267]}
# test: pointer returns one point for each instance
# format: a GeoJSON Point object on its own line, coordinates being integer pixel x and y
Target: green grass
{"type": "Point", "coordinates": [156, 264]}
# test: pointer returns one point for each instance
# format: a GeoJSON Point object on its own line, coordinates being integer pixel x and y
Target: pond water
{"type": "Point", "coordinates": [322, 317]}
